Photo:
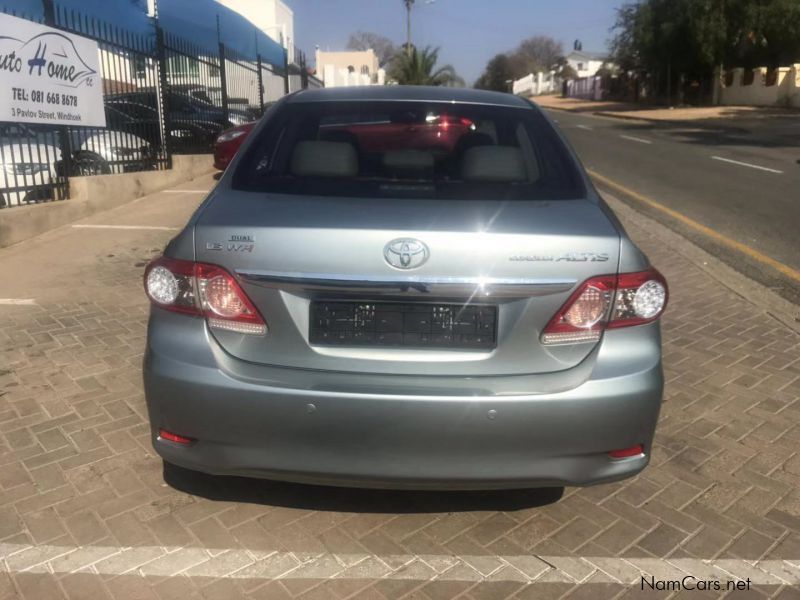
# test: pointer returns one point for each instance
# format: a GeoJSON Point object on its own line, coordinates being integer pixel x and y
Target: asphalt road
{"type": "Point", "coordinates": [741, 180]}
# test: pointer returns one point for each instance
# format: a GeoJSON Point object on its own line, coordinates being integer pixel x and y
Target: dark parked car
{"type": "Point", "coordinates": [183, 108]}
{"type": "Point", "coordinates": [142, 120]}
{"type": "Point", "coordinates": [398, 312]}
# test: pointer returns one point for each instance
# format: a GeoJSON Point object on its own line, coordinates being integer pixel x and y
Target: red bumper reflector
{"type": "Point", "coordinates": [174, 437]}
{"type": "Point", "coordinates": [627, 452]}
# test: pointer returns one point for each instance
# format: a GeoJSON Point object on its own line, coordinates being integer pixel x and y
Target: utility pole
{"type": "Point", "coordinates": [409, 4]}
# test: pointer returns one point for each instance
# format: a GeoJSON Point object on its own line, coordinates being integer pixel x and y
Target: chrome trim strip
{"type": "Point", "coordinates": [392, 284]}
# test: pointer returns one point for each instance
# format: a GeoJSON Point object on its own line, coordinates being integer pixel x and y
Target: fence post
{"type": "Point", "coordinates": [303, 72]}
{"type": "Point", "coordinates": [162, 98]}
{"type": "Point", "coordinates": [260, 84]}
{"type": "Point", "coordinates": [224, 80]}
{"type": "Point", "coordinates": [285, 71]}
{"type": "Point", "coordinates": [64, 142]}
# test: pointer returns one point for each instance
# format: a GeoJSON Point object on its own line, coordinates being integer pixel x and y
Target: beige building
{"type": "Point", "coordinates": [351, 67]}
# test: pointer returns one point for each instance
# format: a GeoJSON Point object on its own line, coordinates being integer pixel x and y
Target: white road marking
{"type": "Point", "coordinates": [162, 561]}
{"type": "Point", "coordinates": [586, 127]}
{"type": "Point", "coordinates": [744, 164]}
{"type": "Point", "coordinates": [17, 301]}
{"type": "Point", "coordinates": [635, 139]}
{"type": "Point", "coordinates": [134, 227]}
{"type": "Point", "coordinates": [184, 191]}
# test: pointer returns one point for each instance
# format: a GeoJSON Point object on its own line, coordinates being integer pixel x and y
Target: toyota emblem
{"type": "Point", "coordinates": [406, 253]}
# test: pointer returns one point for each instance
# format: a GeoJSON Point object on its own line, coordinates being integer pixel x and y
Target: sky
{"type": "Point", "coordinates": [469, 32]}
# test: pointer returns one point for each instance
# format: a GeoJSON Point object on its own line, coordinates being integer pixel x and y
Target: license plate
{"type": "Point", "coordinates": [410, 324]}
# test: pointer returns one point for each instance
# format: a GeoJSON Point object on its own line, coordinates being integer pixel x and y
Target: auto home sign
{"type": "Point", "coordinates": [48, 76]}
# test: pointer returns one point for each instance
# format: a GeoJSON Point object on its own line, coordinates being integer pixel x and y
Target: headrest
{"type": "Point", "coordinates": [472, 139]}
{"type": "Point", "coordinates": [324, 159]}
{"type": "Point", "coordinates": [408, 162]}
{"type": "Point", "coordinates": [493, 163]}
{"type": "Point", "coordinates": [338, 135]}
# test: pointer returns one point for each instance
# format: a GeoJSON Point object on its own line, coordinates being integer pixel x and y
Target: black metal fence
{"type": "Point", "coordinates": [29, 157]}
{"type": "Point", "coordinates": [162, 95]}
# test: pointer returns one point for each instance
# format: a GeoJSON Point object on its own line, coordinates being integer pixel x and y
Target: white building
{"type": "Point", "coordinates": [348, 68]}
{"type": "Point", "coordinates": [273, 17]}
{"type": "Point", "coordinates": [586, 63]}
{"type": "Point", "coordinates": [201, 77]}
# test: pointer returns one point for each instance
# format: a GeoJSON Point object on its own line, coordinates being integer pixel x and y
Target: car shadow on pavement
{"type": "Point", "coordinates": [339, 499]}
{"type": "Point", "coordinates": [720, 133]}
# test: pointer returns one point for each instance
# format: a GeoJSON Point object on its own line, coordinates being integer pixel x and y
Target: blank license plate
{"type": "Point", "coordinates": [415, 324]}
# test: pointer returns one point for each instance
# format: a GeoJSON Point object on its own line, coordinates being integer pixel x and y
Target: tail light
{"type": "Point", "coordinates": [174, 437]}
{"type": "Point", "coordinates": [203, 290]}
{"type": "Point", "coordinates": [608, 302]}
{"type": "Point", "coordinates": [627, 452]}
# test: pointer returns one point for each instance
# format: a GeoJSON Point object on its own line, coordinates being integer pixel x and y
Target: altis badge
{"type": "Point", "coordinates": [568, 257]}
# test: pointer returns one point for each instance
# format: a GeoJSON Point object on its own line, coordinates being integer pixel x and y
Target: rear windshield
{"type": "Point", "coordinates": [408, 149]}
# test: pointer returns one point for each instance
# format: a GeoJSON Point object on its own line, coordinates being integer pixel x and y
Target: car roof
{"type": "Point", "coordinates": [402, 93]}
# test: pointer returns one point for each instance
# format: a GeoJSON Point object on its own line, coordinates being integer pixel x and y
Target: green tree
{"type": "Point", "coordinates": [496, 75]}
{"type": "Point", "coordinates": [672, 39]}
{"type": "Point", "coordinates": [383, 47]}
{"type": "Point", "coordinates": [419, 67]}
{"type": "Point", "coordinates": [567, 71]}
{"type": "Point", "coordinates": [693, 36]}
{"type": "Point", "coordinates": [537, 53]}
{"type": "Point", "coordinates": [408, 4]}
{"type": "Point", "coordinates": [534, 54]}
{"type": "Point", "coordinates": [765, 33]}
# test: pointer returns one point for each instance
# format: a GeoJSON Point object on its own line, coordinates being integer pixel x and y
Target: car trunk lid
{"type": "Point", "coordinates": [515, 261]}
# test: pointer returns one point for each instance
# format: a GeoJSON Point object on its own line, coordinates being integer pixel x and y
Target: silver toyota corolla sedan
{"type": "Point", "coordinates": [405, 287]}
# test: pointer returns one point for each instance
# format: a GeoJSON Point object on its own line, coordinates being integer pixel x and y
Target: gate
{"type": "Point", "coordinates": [162, 95]}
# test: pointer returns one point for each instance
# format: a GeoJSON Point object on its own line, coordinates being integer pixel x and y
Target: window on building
{"type": "Point", "coordinates": [183, 66]}
{"type": "Point", "coordinates": [364, 70]}
{"type": "Point", "coordinates": [139, 66]}
{"type": "Point", "coordinates": [351, 69]}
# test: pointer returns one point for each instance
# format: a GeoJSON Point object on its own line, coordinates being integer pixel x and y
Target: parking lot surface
{"type": "Point", "coordinates": [88, 511]}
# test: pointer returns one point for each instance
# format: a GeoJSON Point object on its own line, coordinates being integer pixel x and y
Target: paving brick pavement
{"type": "Point", "coordinates": [87, 511]}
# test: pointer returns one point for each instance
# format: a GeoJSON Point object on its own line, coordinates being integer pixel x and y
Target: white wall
{"type": "Point", "coordinates": [273, 17]}
{"type": "Point", "coordinates": [273, 86]}
{"type": "Point", "coordinates": [334, 68]}
{"type": "Point", "coordinates": [118, 66]}
{"type": "Point", "coordinates": [284, 19]}
{"type": "Point", "coordinates": [535, 84]}
{"type": "Point", "coordinates": [333, 76]}
{"type": "Point", "coordinates": [785, 91]}
{"type": "Point", "coordinates": [587, 88]}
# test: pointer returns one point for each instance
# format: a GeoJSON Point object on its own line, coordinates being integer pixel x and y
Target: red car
{"type": "Point", "coordinates": [436, 132]}
{"type": "Point", "coordinates": [228, 142]}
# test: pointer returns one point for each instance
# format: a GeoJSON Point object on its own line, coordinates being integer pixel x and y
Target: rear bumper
{"type": "Point", "coordinates": [399, 431]}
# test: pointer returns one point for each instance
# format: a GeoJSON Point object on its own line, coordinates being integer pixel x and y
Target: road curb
{"type": "Point", "coordinates": [748, 289]}
{"type": "Point", "coordinates": [707, 123]}
{"type": "Point", "coordinates": [623, 117]}
{"type": "Point", "coordinates": [613, 115]}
